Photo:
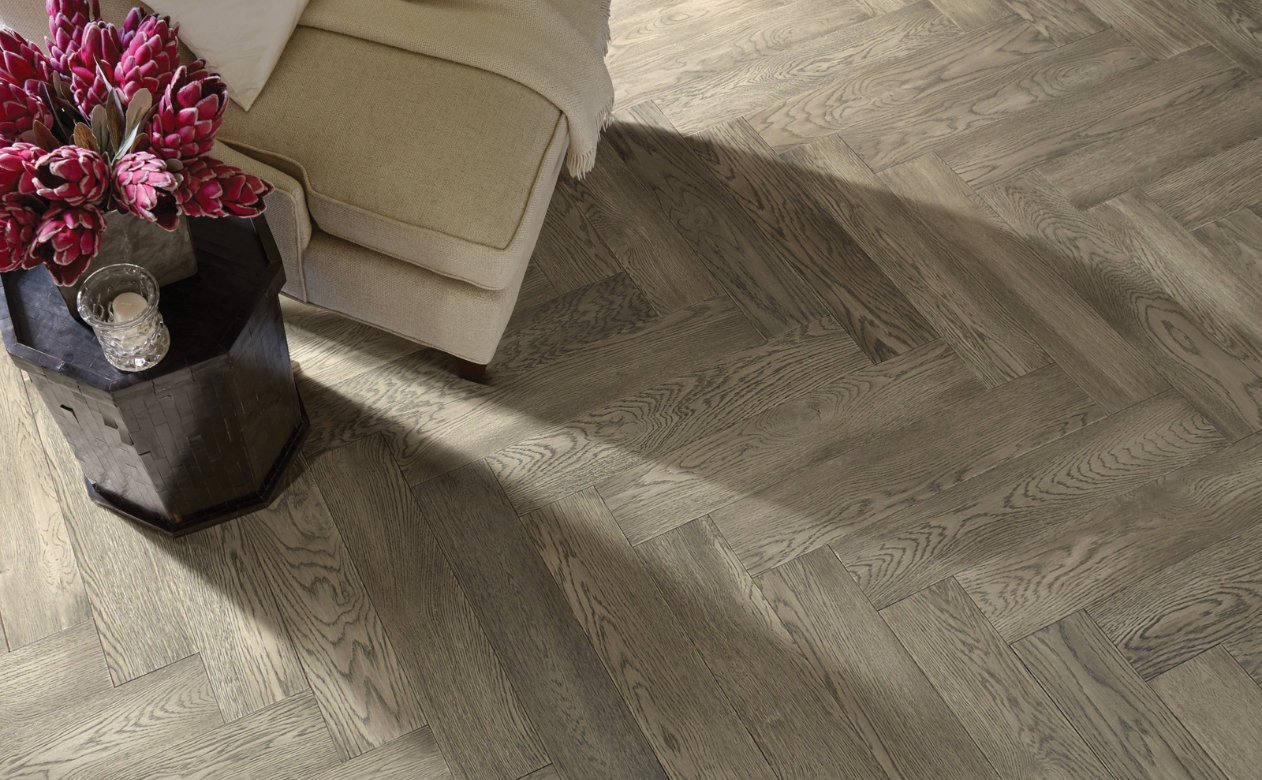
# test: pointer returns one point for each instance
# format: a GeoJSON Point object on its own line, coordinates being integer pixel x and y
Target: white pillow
{"type": "Point", "coordinates": [241, 40]}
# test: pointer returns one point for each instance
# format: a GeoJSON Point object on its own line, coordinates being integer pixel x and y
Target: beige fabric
{"type": "Point", "coordinates": [555, 47]}
{"type": "Point", "coordinates": [241, 40]}
{"type": "Point", "coordinates": [455, 317]}
{"type": "Point", "coordinates": [444, 183]}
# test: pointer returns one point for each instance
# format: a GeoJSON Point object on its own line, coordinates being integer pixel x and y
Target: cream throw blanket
{"type": "Point", "coordinates": [555, 47]}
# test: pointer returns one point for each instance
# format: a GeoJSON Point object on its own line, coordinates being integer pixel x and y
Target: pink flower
{"type": "Point", "coordinates": [19, 221]}
{"type": "Point", "coordinates": [150, 58]}
{"type": "Point", "coordinates": [143, 186]}
{"type": "Point", "coordinates": [73, 175]}
{"type": "Point", "coordinates": [67, 239]}
{"type": "Point", "coordinates": [16, 164]}
{"type": "Point", "coordinates": [19, 110]}
{"type": "Point", "coordinates": [188, 117]}
{"type": "Point", "coordinates": [22, 63]}
{"type": "Point", "coordinates": [215, 189]}
{"type": "Point", "coordinates": [66, 22]}
{"type": "Point", "coordinates": [92, 65]}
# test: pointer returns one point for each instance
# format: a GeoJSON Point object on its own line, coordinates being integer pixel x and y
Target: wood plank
{"type": "Point", "coordinates": [286, 741]}
{"type": "Point", "coordinates": [437, 422]}
{"type": "Point", "coordinates": [937, 283]}
{"type": "Point", "coordinates": [1159, 32]}
{"type": "Point", "coordinates": [1213, 188]}
{"type": "Point", "coordinates": [1091, 258]}
{"type": "Point", "coordinates": [969, 15]}
{"type": "Point", "coordinates": [1132, 733]}
{"type": "Point", "coordinates": [41, 591]}
{"type": "Point", "coordinates": [1186, 608]}
{"type": "Point", "coordinates": [570, 252]}
{"type": "Point", "coordinates": [475, 715]}
{"type": "Point", "coordinates": [799, 726]}
{"type": "Point", "coordinates": [864, 93]}
{"type": "Point", "coordinates": [364, 694]}
{"type": "Point", "coordinates": [891, 703]}
{"type": "Point", "coordinates": [1246, 648]}
{"type": "Point", "coordinates": [549, 772]}
{"type": "Point", "coordinates": [330, 347]}
{"type": "Point", "coordinates": [672, 695]}
{"type": "Point", "coordinates": [134, 604]}
{"type": "Point", "coordinates": [725, 466]}
{"type": "Point", "coordinates": [1009, 716]}
{"type": "Point", "coordinates": [1220, 706]}
{"type": "Point", "coordinates": [1104, 364]}
{"type": "Point", "coordinates": [1228, 24]}
{"type": "Point", "coordinates": [1168, 143]}
{"type": "Point", "coordinates": [233, 619]}
{"type": "Point", "coordinates": [114, 727]}
{"type": "Point", "coordinates": [903, 132]}
{"type": "Point", "coordinates": [746, 89]}
{"type": "Point", "coordinates": [752, 268]}
{"type": "Point", "coordinates": [1022, 507]}
{"type": "Point", "coordinates": [580, 717]}
{"type": "Point", "coordinates": [58, 672]}
{"type": "Point", "coordinates": [645, 72]}
{"type": "Point", "coordinates": [413, 756]}
{"type": "Point", "coordinates": [1119, 542]}
{"type": "Point", "coordinates": [633, 430]}
{"type": "Point", "coordinates": [991, 153]}
{"type": "Point", "coordinates": [783, 200]}
{"type": "Point", "coordinates": [1190, 273]}
{"type": "Point", "coordinates": [625, 214]}
{"type": "Point", "coordinates": [933, 447]}
{"type": "Point", "coordinates": [1236, 242]}
{"type": "Point", "coordinates": [675, 22]}
{"type": "Point", "coordinates": [535, 290]}
{"type": "Point", "coordinates": [1063, 21]}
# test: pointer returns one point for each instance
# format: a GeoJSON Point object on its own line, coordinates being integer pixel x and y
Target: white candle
{"type": "Point", "coordinates": [129, 306]}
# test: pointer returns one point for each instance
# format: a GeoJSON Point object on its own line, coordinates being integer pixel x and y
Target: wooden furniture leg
{"type": "Point", "coordinates": [474, 372]}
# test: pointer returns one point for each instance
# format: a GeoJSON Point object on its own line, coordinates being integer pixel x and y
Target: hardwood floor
{"type": "Point", "coordinates": [887, 403]}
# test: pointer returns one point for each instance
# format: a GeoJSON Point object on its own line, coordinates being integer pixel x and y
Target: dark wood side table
{"type": "Point", "coordinates": [206, 434]}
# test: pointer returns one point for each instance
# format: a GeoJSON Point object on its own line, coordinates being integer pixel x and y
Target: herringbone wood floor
{"type": "Point", "coordinates": [885, 404]}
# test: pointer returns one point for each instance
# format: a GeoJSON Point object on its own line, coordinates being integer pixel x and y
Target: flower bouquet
{"type": "Point", "coordinates": [107, 120]}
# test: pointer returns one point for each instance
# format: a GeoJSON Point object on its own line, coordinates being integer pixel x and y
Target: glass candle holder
{"type": "Point", "coordinates": [120, 302]}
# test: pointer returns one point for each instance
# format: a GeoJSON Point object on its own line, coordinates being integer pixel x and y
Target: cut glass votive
{"type": "Point", "coordinates": [134, 338]}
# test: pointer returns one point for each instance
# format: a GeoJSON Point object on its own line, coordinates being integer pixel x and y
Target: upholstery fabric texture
{"type": "Point", "coordinates": [554, 47]}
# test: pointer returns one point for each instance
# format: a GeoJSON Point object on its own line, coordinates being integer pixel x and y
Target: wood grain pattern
{"type": "Point", "coordinates": [365, 696]}
{"type": "Point", "coordinates": [747, 89]}
{"type": "Point", "coordinates": [904, 131]}
{"type": "Point", "coordinates": [582, 722]}
{"type": "Point", "coordinates": [672, 695]}
{"type": "Point", "coordinates": [475, 715]}
{"type": "Point", "coordinates": [875, 312]}
{"type": "Point", "coordinates": [330, 347]}
{"type": "Point", "coordinates": [41, 591]}
{"type": "Point", "coordinates": [1160, 32]}
{"type": "Point", "coordinates": [60, 671]}
{"type": "Point", "coordinates": [114, 727]}
{"type": "Point", "coordinates": [570, 252]}
{"type": "Point", "coordinates": [888, 699]}
{"type": "Point", "coordinates": [991, 153]}
{"type": "Point", "coordinates": [1214, 188]}
{"type": "Point", "coordinates": [233, 620]}
{"type": "Point", "coordinates": [117, 562]}
{"type": "Point", "coordinates": [1062, 21]}
{"type": "Point", "coordinates": [1236, 242]}
{"type": "Point", "coordinates": [1113, 545]}
{"type": "Point", "coordinates": [1246, 647]}
{"type": "Point", "coordinates": [1081, 342]}
{"type": "Point", "coordinates": [1009, 716]}
{"type": "Point", "coordinates": [827, 422]}
{"type": "Point", "coordinates": [413, 756]}
{"type": "Point", "coordinates": [969, 15]}
{"type": "Point", "coordinates": [1095, 258]}
{"type": "Point", "coordinates": [966, 315]}
{"type": "Point", "coordinates": [1220, 706]}
{"type": "Point", "coordinates": [1234, 27]}
{"type": "Point", "coordinates": [752, 269]}
{"type": "Point", "coordinates": [1025, 505]}
{"type": "Point", "coordinates": [632, 430]}
{"type": "Point", "coordinates": [535, 290]}
{"type": "Point", "coordinates": [1128, 728]}
{"type": "Point", "coordinates": [1186, 608]}
{"type": "Point", "coordinates": [928, 449]}
{"type": "Point", "coordinates": [863, 94]}
{"type": "Point", "coordinates": [286, 741]}
{"type": "Point", "coordinates": [800, 727]}
{"type": "Point", "coordinates": [1163, 145]}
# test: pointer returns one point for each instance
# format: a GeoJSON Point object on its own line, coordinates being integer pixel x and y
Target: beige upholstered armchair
{"type": "Point", "coordinates": [413, 211]}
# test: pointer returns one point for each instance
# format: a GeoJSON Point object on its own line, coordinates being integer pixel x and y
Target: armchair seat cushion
{"type": "Point", "coordinates": [433, 163]}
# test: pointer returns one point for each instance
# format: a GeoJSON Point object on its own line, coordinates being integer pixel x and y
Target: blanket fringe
{"type": "Point", "coordinates": [578, 163]}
